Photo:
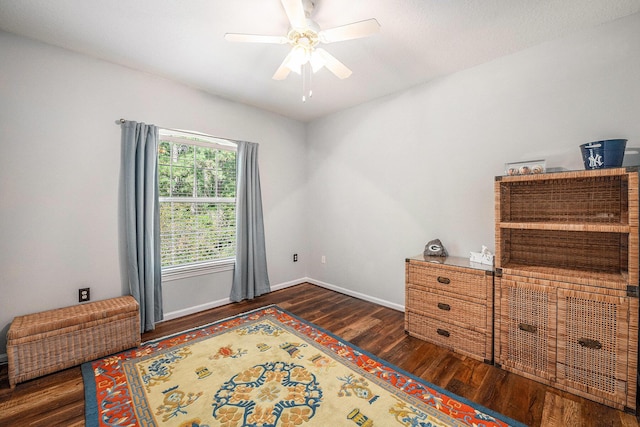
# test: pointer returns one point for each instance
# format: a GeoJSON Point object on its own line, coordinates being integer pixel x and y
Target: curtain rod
{"type": "Point", "coordinates": [121, 121]}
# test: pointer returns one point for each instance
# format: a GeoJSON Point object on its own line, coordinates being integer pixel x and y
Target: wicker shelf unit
{"type": "Point", "coordinates": [449, 302]}
{"type": "Point", "coordinates": [566, 285]}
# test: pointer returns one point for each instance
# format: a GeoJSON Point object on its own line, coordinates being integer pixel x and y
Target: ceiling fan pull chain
{"type": "Point", "coordinates": [306, 81]}
{"type": "Point", "coordinates": [309, 78]}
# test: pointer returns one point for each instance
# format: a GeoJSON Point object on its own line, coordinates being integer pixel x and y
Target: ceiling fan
{"type": "Point", "coordinates": [304, 36]}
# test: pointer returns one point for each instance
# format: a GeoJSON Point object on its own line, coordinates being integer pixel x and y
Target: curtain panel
{"type": "Point", "coordinates": [142, 219]}
{"type": "Point", "coordinates": [250, 278]}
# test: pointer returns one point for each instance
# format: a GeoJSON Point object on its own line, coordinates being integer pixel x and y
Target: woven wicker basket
{"type": "Point", "coordinates": [49, 341]}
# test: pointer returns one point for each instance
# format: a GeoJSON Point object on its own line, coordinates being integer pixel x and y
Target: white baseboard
{"type": "Point", "coordinates": [356, 294]}
{"type": "Point", "coordinates": [195, 309]}
{"type": "Point", "coordinates": [225, 301]}
{"type": "Point", "coordinates": [288, 284]}
{"type": "Point", "coordinates": [213, 304]}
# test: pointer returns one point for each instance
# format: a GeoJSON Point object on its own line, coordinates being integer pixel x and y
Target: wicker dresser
{"type": "Point", "coordinates": [449, 302]}
{"type": "Point", "coordinates": [567, 281]}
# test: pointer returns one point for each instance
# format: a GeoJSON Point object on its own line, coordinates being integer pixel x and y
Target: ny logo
{"type": "Point", "coordinates": [595, 161]}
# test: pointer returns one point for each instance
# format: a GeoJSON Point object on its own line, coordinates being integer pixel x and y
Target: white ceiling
{"type": "Point", "coordinates": [419, 40]}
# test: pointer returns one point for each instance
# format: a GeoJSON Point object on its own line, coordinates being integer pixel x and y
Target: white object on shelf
{"type": "Point", "coordinates": [525, 168]}
{"type": "Point", "coordinates": [483, 257]}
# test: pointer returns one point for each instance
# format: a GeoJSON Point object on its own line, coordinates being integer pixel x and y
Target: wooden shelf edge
{"type": "Point", "coordinates": [567, 226]}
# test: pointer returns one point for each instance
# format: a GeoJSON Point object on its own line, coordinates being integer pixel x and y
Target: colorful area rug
{"type": "Point", "coordinates": [265, 368]}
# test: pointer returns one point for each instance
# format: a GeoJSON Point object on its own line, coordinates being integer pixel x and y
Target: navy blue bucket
{"type": "Point", "coordinates": [603, 154]}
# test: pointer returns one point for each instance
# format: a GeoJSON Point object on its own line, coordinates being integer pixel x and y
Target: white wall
{"type": "Point", "coordinates": [387, 176]}
{"type": "Point", "coordinates": [60, 176]}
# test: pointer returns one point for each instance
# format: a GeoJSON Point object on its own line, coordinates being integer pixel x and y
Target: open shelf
{"type": "Point", "coordinates": [583, 252]}
{"type": "Point", "coordinates": [592, 199]}
{"type": "Point", "coordinates": [581, 224]}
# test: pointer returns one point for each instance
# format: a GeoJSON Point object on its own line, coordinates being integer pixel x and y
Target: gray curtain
{"type": "Point", "coordinates": [250, 278]}
{"type": "Point", "coordinates": [142, 219]}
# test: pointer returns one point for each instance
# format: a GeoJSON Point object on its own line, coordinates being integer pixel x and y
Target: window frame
{"type": "Point", "coordinates": [205, 267]}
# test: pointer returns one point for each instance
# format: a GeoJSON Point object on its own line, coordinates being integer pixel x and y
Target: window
{"type": "Point", "coordinates": [197, 185]}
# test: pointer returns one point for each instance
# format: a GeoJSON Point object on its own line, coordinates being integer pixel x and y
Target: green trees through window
{"type": "Point", "coordinates": [197, 184]}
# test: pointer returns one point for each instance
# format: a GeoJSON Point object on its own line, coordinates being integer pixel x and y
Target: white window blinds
{"type": "Point", "coordinates": [197, 185]}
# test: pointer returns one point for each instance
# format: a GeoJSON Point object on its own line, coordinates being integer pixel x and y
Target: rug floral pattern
{"type": "Point", "coordinates": [265, 368]}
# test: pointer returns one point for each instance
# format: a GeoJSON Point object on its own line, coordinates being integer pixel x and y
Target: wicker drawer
{"type": "Point", "coordinates": [449, 279]}
{"type": "Point", "coordinates": [447, 308]}
{"type": "Point", "coordinates": [456, 338]}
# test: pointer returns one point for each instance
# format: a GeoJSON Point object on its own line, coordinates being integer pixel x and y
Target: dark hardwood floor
{"type": "Point", "coordinates": [58, 399]}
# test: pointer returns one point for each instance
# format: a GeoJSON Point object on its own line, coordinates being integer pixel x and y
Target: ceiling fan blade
{"type": "Point", "coordinates": [333, 65]}
{"type": "Point", "coordinates": [350, 31]}
{"type": "Point", "coordinates": [283, 71]}
{"type": "Point", "coordinates": [295, 13]}
{"type": "Point", "coordinates": [255, 38]}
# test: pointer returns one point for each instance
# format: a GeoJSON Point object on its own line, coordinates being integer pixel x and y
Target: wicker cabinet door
{"type": "Point", "coordinates": [527, 327]}
{"type": "Point", "coordinates": [593, 340]}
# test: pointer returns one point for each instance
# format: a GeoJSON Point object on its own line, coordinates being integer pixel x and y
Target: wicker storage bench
{"type": "Point", "coordinates": [49, 341]}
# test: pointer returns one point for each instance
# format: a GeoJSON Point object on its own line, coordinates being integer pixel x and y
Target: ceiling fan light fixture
{"type": "Point", "coordinates": [299, 56]}
{"type": "Point", "coordinates": [304, 35]}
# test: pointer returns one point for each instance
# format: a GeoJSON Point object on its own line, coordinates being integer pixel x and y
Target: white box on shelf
{"type": "Point", "coordinates": [481, 257]}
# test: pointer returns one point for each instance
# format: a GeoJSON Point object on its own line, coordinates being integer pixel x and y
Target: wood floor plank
{"type": "Point", "coordinates": [73, 412]}
{"type": "Point", "coordinates": [467, 378]}
{"type": "Point", "coordinates": [524, 399]}
{"type": "Point", "coordinates": [559, 411]}
{"type": "Point", "coordinates": [441, 373]}
{"type": "Point", "coordinates": [58, 399]}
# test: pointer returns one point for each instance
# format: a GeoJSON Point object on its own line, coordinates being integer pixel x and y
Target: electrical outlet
{"type": "Point", "coordinates": [84, 295]}
{"type": "Point", "coordinates": [295, 257]}
{"type": "Point", "coordinates": [323, 259]}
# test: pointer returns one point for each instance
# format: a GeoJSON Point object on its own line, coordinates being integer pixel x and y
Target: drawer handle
{"type": "Point", "coordinates": [443, 332]}
{"type": "Point", "coordinates": [444, 280]}
{"type": "Point", "coordinates": [528, 328]}
{"type": "Point", "coordinates": [443, 306]}
{"type": "Point", "coordinates": [589, 343]}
